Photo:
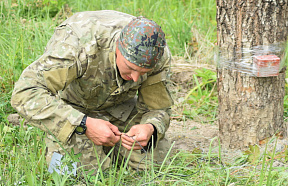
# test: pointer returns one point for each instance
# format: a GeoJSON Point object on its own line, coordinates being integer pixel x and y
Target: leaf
{"type": "Point", "coordinates": [270, 154]}
{"type": "Point", "coordinates": [77, 156]}
{"type": "Point", "coordinates": [196, 151]}
{"type": "Point", "coordinates": [247, 152]}
{"type": "Point", "coordinates": [254, 153]}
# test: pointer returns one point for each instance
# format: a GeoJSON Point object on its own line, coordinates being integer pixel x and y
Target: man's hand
{"type": "Point", "coordinates": [102, 132]}
{"type": "Point", "coordinates": [142, 133]}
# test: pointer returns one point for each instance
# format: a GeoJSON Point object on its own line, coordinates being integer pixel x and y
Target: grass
{"type": "Point", "coordinates": [23, 163]}
{"type": "Point", "coordinates": [202, 99]}
{"type": "Point", "coordinates": [190, 27]}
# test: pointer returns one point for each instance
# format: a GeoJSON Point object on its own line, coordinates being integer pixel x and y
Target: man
{"type": "Point", "coordinates": [100, 83]}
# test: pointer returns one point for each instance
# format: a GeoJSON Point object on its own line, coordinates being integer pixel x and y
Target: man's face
{"type": "Point", "coordinates": [128, 70]}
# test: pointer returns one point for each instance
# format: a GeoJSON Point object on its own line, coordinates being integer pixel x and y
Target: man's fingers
{"type": "Point", "coordinates": [124, 141]}
{"type": "Point", "coordinates": [112, 141]}
{"type": "Point", "coordinates": [115, 139]}
{"type": "Point", "coordinates": [114, 129]}
{"type": "Point", "coordinates": [128, 138]}
{"type": "Point", "coordinates": [134, 131]}
{"type": "Point", "coordinates": [128, 142]}
{"type": "Point", "coordinates": [130, 147]}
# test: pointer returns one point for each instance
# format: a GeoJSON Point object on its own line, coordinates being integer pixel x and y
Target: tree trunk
{"type": "Point", "coordinates": [250, 108]}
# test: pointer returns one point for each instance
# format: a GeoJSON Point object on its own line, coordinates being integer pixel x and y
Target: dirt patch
{"type": "Point", "coordinates": [15, 119]}
{"type": "Point", "coordinates": [187, 135]}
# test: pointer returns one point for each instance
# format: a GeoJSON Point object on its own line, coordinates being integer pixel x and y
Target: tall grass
{"type": "Point", "coordinates": [23, 38]}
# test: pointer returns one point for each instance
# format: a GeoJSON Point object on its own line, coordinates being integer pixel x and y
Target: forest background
{"type": "Point", "coordinates": [191, 31]}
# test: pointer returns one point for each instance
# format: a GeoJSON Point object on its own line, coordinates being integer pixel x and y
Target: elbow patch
{"type": "Point", "coordinates": [58, 79]}
{"type": "Point", "coordinates": [155, 94]}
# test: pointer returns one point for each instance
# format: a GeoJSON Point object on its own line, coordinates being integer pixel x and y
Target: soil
{"type": "Point", "coordinates": [191, 136]}
{"type": "Point", "coordinates": [186, 134]}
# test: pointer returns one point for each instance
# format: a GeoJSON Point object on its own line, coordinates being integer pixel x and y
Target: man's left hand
{"type": "Point", "coordinates": [142, 133]}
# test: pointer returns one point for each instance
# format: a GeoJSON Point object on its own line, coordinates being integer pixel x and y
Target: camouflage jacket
{"type": "Point", "coordinates": [78, 69]}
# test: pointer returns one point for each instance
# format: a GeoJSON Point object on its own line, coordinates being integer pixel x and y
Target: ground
{"type": "Point", "coordinates": [190, 135]}
{"type": "Point", "coordinates": [186, 134]}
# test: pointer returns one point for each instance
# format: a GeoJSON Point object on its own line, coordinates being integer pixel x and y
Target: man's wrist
{"type": "Point", "coordinates": [154, 139]}
{"type": "Point", "coordinates": [152, 127]}
{"type": "Point", "coordinates": [154, 130]}
{"type": "Point", "coordinates": [81, 129]}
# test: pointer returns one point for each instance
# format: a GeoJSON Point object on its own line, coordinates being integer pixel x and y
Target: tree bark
{"type": "Point", "coordinates": [250, 108]}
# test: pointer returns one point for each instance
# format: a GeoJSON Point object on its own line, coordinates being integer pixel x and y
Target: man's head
{"type": "Point", "coordinates": [141, 43]}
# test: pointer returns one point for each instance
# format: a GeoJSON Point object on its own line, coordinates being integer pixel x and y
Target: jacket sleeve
{"type": "Point", "coordinates": [155, 99]}
{"type": "Point", "coordinates": [35, 94]}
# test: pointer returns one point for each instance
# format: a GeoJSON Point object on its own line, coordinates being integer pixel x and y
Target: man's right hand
{"type": "Point", "coordinates": [102, 132]}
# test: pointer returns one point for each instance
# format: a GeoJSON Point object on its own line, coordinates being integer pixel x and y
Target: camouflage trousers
{"type": "Point", "coordinates": [92, 155]}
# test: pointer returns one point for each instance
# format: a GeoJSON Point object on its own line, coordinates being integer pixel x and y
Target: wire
{"type": "Point", "coordinates": [142, 149]}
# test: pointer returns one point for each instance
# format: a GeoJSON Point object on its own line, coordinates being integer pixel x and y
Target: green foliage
{"type": "Point", "coordinates": [22, 155]}
{"type": "Point", "coordinates": [202, 99]}
{"type": "Point", "coordinates": [253, 153]}
{"type": "Point", "coordinates": [22, 40]}
{"type": "Point", "coordinates": [32, 8]}
{"type": "Point", "coordinates": [286, 102]}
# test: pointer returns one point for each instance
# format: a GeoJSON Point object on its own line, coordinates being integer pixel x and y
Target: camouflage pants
{"type": "Point", "coordinates": [88, 159]}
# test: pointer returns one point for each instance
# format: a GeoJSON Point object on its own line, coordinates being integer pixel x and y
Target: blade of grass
{"type": "Point", "coordinates": [269, 177]}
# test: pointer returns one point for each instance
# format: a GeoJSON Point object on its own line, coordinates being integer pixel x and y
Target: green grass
{"type": "Point", "coordinates": [201, 101]}
{"type": "Point", "coordinates": [23, 163]}
{"type": "Point", "coordinates": [190, 27]}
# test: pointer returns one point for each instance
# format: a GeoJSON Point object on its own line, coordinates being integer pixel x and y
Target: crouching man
{"type": "Point", "coordinates": [101, 82]}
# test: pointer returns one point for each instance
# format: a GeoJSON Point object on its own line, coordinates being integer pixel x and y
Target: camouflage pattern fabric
{"type": "Point", "coordinates": [77, 75]}
{"type": "Point", "coordinates": [81, 144]}
{"type": "Point", "coordinates": [142, 42]}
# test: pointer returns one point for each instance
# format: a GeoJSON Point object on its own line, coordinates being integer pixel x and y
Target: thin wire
{"type": "Point", "coordinates": [142, 149]}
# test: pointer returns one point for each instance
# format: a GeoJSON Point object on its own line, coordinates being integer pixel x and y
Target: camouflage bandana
{"type": "Point", "coordinates": [142, 42]}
